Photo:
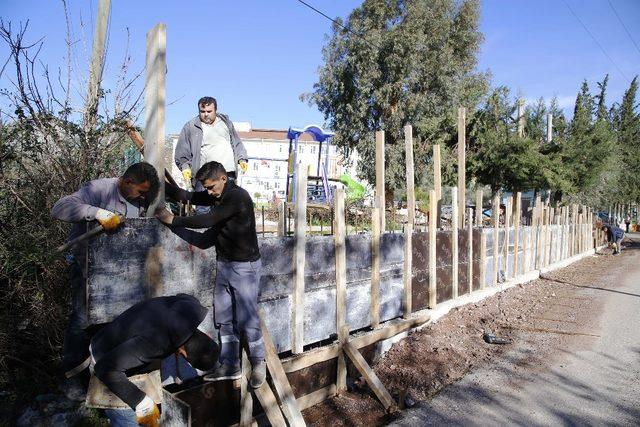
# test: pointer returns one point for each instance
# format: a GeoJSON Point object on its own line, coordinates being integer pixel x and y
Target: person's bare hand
{"type": "Point", "coordinates": [164, 216]}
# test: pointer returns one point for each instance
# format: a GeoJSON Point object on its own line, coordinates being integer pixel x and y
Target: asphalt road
{"type": "Point", "coordinates": [594, 383]}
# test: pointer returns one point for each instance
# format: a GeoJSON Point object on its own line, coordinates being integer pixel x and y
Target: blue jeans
{"type": "Point", "coordinates": [121, 417]}
{"type": "Point", "coordinates": [236, 310]}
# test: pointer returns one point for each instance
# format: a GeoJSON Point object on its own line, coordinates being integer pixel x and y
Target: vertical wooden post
{"type": "Point", "coordinates": [454, 242]}
{"type": "Point", "coordinates": [495, 213]}
{"type": "Point", "coordinates": [380, 202]}
{"type": "Point", "coordinates": [483, 260]}
{"type": "Point", "coordinates": [507, 226]}
{"type": "Point", "coordinates": [339, 237]}
{"type": "Point", "coordinates": [246, 400]}
{"type": "Point", "coordinates": [411, 209]}
{"type": "Point", "coordinates": [525, 248]}
{"type": "Point", "coordinates": [520, 118]}
{"type": "Point", "coordinates": [461, 167]}
{"type": "Point", "coordinates": [282, 219]}
{"type": "Point", "coordinates": [478, 208]}
{"type": "Point", "coordinates": [437, 171]}
{"type": "Point", "coordinates": [374, 313]}
{"type": "Point", "coordinates": [154, 96]}
{"type": "Point", "coordinates": [575, 229]}
{"type": "Point", "coordinates": [97, 65]}
{"type": "Point", "coordinates": [297, 302]}
{"type": "Point", "coordinates": [433, 205]}
{"type": "Point", "coordinates": [516, 237]}
{"type": "Point", "coordinates": [547, 235]}
{"type": "Point", "coordinates": [552, 235]}
{"type": "Point", "coordinates": [470, 249]}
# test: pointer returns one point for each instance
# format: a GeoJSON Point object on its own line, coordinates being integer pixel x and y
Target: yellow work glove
{"type": "Point", "coordinates": [244, 166]}
{"type": "Point", "coordinates": [107, 219]}
{"type": "Point", "coordinates": [147, 413]}
{"type": "Point", "coordinates": [186, 174]}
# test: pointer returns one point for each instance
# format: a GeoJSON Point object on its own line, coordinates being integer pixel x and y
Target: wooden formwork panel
{"type": "Point", "coordinates": [420, 271]}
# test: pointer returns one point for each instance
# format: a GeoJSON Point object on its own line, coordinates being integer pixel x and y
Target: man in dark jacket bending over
{"type": "Point", "coordinates": [233, 226]}
{"type": "Point", "coordinates": [139, 339]}
{"type": "Point", "coordinates": [614, 237]}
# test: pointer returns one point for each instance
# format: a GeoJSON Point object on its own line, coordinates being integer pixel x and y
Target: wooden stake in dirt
{"type": "Point", "coordinates": [341, 281]}
{"type": "Point", "coordinates": [495, 213]}
{"type": "Point", "coordinates": [97, 65]}
{"type": "Point", "coordinates": [154, 96]}
{"type": "Point", "coordinates": [521, 118]}
{"type": "Point", "coordinates": [483, 260]}
{"type": "Point", "coordinates": [433, 204]}
{"type": "Point", "coordinates": [374, 313]}
{"type": "Point", "coordinates": [470, 249]}
{"type": "Point", "coordinates": [246, 401]}
{"type": "Point", "coordinates": [462, 166]}
{"type": "Point", "coordinates": [380, 184]}
{"type": "Point", "coordinates": [516, 237]}
{"type": "Point", "coordinates": [478, 208]}
{"type": "Point", "coordinates": [437, 172]}
{"type": "Point", "coordinates": [507, 226]}
{"type": "Point", "coordinates": [411, 211]}
{"type": "Point", "coordinates": [279, 378]}
{"type": "Point", "coordinates": [297, 300]}
{"type": "Point", "coordinates": [369, 375]}
{"type": "Point", "coordinates": [454, 242]}
{"type": "Point", "coordinates": [282, 209]}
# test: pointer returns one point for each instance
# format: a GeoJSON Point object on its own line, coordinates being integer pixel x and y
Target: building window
{"type": "Point", "coordinates": [276, 185]}
{"type": "Point", "coordinates": [301, 149]}
{"type": "Point", "coordinates": [255, 166]}
{"type": "Point", "coordinates": [277, 168]}
{"type": "Point", "coordinates": [313, 149]}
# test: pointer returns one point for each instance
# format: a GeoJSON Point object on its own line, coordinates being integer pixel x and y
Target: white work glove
{"type": "Point", "coordinates": [147, 413]}
{"type": "Point", "coordinates": [107, 219]}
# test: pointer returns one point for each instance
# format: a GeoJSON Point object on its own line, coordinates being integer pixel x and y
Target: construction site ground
{"type": "Point", "coordinates": [574, 358]}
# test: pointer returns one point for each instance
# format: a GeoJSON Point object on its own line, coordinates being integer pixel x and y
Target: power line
{"type": "Point", "coordinates": [623, 26]}
{"type": "Point", "coordinates": [594, 39]}
{"type": "Point", "coordinates": [339, 24]}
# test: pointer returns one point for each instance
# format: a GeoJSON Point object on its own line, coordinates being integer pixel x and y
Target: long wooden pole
{"type": "Point", "coordinates": [97, 65]}
{"type": "Point", "coordinates": [297, 300]}
{"type": "Point", "coordinates": [374, 312]}
{"type": "Point", "coordinates": [433, 205]}
{"type": "Point", "coordinates": [411, 208]}
{"type": "Point", "coordinates": [462, 167]}
{"type": "Point", "coordinates": [155, 97]}
{"type": "Point", "coordinates": [339, 237]}
{"type": "Point", "coordinates": [454, 242]}
{"type": "Point", "coordinates": [470, 249]}
{"type": "Point", "coordinates": [495, 213]}
{"type": "Point", "coordinates": [516, 237]}
{"type": "Point", "coordinates": [380, 196]}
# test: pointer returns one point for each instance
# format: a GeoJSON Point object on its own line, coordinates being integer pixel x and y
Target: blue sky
{"type": "Point", "coordinates": [257, 57]}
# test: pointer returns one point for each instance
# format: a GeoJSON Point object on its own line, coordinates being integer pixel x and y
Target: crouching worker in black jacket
{"type": "Point", "coordinates": [139, 339]}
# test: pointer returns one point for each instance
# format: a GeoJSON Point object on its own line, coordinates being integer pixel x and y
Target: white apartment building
{"type": "Point", "coordinates": [268, 150]}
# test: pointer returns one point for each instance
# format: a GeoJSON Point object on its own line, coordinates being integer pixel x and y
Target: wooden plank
{"type": "Point", "coordinates": [370, 376]}
{"type": "Point", "coordinates": [380, 183]}
{"type": "Point", "coordinates": [507, 226]}
{"type": "Point", "coordinates": [437, 171]}
{"type": "Point", "coordinates": [374, 312]}
{"type": "Point", "coordinates": [97, 66]}
{"type": "Point", "coordinates": [411, 192]}
{"type": "Point", "coordinates": [406, 274]}
{"type": "Point", "coordinates": [282, 219]}
{"type": "Point", "coordinates": [478, 208]}
{"type": "Point", "coordinates": [483, 260]}
{"type": "Point", "coordinates": [495, 213]}
{"type": "Point", "coordinates": [270, 405]}
{"type": "Point", "coordinates": [454, 242]}
{"type": "Point", "coordinates": [516, 237]}
{"type": "Point", "coordinates": [322, 354]}
{"type": "Point", "coordinates": [433, 206]}
{"type": "Point", "coordinates": [155, 98]}
{"type": "Point", "coordinates": [462, 164]}
{"type": "Point", "coordinates": [246, 400]}
{"type": "Point", "coordinates": [279, 378]}
{"type": "Point", "coordinates": [341, 281]}
{"type": "Point", "coordinates": [318, 396]}
{"type": "Point", "coordinates": [297, 296]}
{"type": "Point", "coordinates": [470, 249]}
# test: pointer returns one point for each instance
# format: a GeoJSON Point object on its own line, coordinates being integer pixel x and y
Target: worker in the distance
{"type": "Point", "coordinates": [237, 283]}
{"type": "Point", "coordinates": [210, 136]}
{"type": "Point", "coordinates": [139, 339]}
{"type": "Point", "coordinates": [105, 201]}
{"type": "Point", "coordinates": [615, 235]}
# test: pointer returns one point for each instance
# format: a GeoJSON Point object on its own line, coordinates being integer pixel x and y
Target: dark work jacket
{"type": "Point", "coordinates": [140, 338]}
{"type": "Point", "coordinates": [231, 219]}
{"type": "Point", "coordinates": [615, 233]}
